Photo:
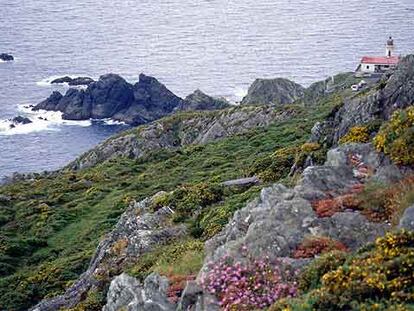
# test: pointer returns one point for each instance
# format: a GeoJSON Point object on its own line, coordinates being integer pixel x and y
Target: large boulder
{"type": "Point", "coordinates": [102, 99]}
{"type": "Point", "coordinates": [6, 57]}
{"type": "Point", "coordinates": [201, 101]}
{"type": "Point", "coordinates": [407, 219]}
{"type": "Point", "coordinates": [273, 91]}
{"type": "Point", "coordinates": [127, 293]}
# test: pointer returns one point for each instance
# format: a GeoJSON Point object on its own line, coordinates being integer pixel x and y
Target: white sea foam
{"type": "Point", "coordinates": [109, 121]}
{"type": "Point", "coordinates": [239, 93]}
{"type": "Point", "coordinates": [42, 120]}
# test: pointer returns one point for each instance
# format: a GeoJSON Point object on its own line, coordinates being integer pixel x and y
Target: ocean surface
{"type": "Point", "coordinates": [219, 46]}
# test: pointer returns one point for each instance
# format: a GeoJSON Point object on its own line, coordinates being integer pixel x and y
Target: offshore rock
{"type": "Point", "coordinates": [273, 91]}
{"type": "Point", "coordinates": [73, 81]}
{"type": "Point", "coordinates": [6, 57]}
{"type": "Point", "coordinates": [113, 97]}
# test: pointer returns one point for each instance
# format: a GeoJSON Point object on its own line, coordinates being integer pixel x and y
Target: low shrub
{"type": "Point", "coordinates": [381, 202]}
{"type": "Point", "coordinates": [356, 134]}
{"type": "Point", "coordinates": [275, 166]}
{"type": "Point", "coordinates": [328, 207]}
{"type": "Point", "coordinates": [314, 151]}
{"type": "Point", "coordinates": [182, 258]}
{"type": "Point", "coordinates": [187, 199]}
{"type": "Point", "coordinates": [379, 278]}
{"type": "Point", "coordinates": [257, 284]}
{"type": "Point", "coordinates": [396, 137]}
{"type": "Point", "coordinates": [310, 277]}
{"type": "Point", "coordinates": [316, 245]}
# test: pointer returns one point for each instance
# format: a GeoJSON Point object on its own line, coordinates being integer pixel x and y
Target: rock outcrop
{"type": "Point", "coordinates": [19, 120]}
{"type": "Point", "coordinates": [275, 224]}
{"type": "Point", "coordinates": [181, 130]}
{"type": "Point", "coordinates": [127, 293]}
{"type": "Point", "coordinates": [6, 57]}
{"type": "Point", "coordinates": [73, 81]}
{"type": "Point", "coordinates": [273, 91]}
{"type": "Point", "coordinates": [201, 101]}
{"type": "Point", "coordinates": [139, 230]}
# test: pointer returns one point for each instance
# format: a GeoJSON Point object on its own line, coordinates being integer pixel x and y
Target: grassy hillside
{"type": "Point", "coordinates": [51, 226]}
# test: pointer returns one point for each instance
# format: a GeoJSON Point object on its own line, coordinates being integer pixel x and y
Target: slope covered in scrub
{"type": "Point", "coordinates": [51, 225]}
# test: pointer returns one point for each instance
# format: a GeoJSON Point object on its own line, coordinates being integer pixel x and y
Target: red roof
{"type": "Point", "coordinates": [380, 60]}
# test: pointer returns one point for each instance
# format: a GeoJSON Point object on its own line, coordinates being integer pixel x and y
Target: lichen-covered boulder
{"type": "Point", "coordinates": [407, 219]}
{"type": "Point", "coordinates": [127, 293]}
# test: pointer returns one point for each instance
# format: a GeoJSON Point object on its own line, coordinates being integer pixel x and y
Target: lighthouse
{"type": "Point", "coordinates": [389, 49]}
{"type": "Point", "coordinates": [379, 64]}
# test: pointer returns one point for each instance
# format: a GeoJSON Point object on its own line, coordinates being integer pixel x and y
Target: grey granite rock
{"type": "Point", "coordinates": [126, 293]}
{"type": "Point", "coordinates": [407, 219]}
{"type": "Point", "coordinates": [273, 91]}
{"type": "Point", "coordinates": [201, 101]}
{"type": "Point", "coordinates": [189, 297]}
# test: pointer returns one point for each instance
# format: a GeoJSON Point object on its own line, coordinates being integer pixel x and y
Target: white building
{"type": "Point", "coordinates": [380, 64]}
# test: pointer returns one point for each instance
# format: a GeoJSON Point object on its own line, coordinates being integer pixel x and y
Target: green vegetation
{"type": "Point", "coordinates": [181, 258]}
{"type": "Point", "coordinates": [356, 134]}
{"type": "Point", "coordinates": [378, 277]}
{"type": "Point", "coordinates": [51, 226]}
{"type": "Point", "coordinates": [384, 202]}
{"type": "Point", "coordinates": [396, 137]}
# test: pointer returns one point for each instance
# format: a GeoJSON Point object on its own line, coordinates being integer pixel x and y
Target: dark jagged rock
{"type": "Point", "coordinates": [65, 79]}
{"type": "Point", "coordinates": [21, 120]}
{"type": "Point", "coordinates": [73, 81]}
{"type": "Point", "coordinates": [6, 57]}
{"type": "Point", "coordinates": [151, 101]}
{"type": "Point", "coordinates": [273, 91]}
{"type": "Point", "coordinates": [113, 97]}
{"type": "Point", "coordinates": [201, 101]}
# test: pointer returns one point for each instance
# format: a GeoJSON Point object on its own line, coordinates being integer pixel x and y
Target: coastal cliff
{"type": "Point", "coordinates": [156, 218]}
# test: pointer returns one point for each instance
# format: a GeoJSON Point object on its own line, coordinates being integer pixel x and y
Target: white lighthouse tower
{"type": "Point", "coordinates": [389, 49]}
